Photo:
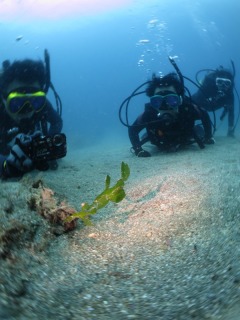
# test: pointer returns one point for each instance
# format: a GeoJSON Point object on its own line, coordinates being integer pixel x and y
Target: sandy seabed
{"type": "Point", "coordinates": [170, 250]}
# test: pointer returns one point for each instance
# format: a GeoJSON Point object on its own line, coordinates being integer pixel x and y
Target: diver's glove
{"type": "Point", "coordinates": [209, 140]}
{"type": "Point", "coordinates": [18, 162]}
{"type": "Point", "coordinates": [139, 152]}
{"type": "Point", "coordinates": [230, 133]}
{"type": "Point", "coordinates": [53, 165]}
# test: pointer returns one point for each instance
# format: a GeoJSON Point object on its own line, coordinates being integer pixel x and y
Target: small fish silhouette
{"type": "Point", "coordinates": [19, 38]}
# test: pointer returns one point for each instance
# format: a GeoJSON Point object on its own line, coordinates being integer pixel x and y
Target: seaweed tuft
{"type": "Point", "coordinates": [115, 194]}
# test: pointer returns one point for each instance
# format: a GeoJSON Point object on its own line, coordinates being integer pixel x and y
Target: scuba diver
{"type": "Point", "coordinates": [217, 91]}
{"type": "Point", "coordinates": [170, 118]}
{"type": "Point", "coordinates": [25, 115]}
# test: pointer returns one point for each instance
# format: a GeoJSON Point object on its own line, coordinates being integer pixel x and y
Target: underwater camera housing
{"type": "Point", "coordinates": [47, 148]}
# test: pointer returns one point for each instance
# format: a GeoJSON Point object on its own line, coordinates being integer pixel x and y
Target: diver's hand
{"type": "Point", "coordinates": [230, 133]}
{"type": "Point", "coordinates": [25, 140]}
{"type": "Point", "coordinates": [17, 163]}
{"type": "Point", "coordinates": [139, 152]}
{"type": "Point", "coordinates": [53, 165]}
{"type": "Point", "coordinates": [209, 140]}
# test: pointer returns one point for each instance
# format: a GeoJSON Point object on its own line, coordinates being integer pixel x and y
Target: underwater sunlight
{"type": "Point", "coordinates": [27, 10]}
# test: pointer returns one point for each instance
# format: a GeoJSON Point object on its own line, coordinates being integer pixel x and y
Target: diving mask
{"type": "Point", "coordinates": [22, 103]}
{"type": "Point", "coordinates": [223, 84]}
{"type": "Point", "coordinates": [169, 101]}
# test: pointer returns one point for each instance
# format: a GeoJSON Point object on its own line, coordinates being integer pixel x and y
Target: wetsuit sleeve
{"type": "Point", "coordinates": [134, 130]}
{"type": "Point", "coordinates": [231, 112]}
{"type": "Point", "coordinates": [206, 91]}
{"type": "Point", "coordinates": [54, 120]}
{"type": "Point", "coordinates": [2, 159]}
{"type": "Point", "coordinates": [202, 115]}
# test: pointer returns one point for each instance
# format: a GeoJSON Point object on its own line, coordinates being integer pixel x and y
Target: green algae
{"type": "Point", "coordinates": [114, 194]}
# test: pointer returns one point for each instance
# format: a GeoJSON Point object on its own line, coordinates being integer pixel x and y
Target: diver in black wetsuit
{"type": "Point", "coordinates": [215, 92]}
{"type": "Point", "coordinates": [169, 118]}
{"type": "Point", "coordinates": [26, 111]}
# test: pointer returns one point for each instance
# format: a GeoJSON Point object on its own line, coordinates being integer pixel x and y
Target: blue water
{"type": "Point", "coordinates": [97, 60]}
